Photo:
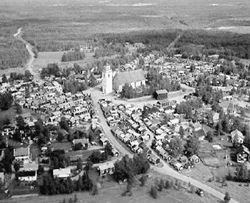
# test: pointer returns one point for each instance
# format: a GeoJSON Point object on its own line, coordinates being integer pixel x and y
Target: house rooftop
{"type": "Point", "coordinates": [22, 151]}
{"type": "Point", "coordinates": [62, 172]}
{"type": "Point", "coordinates": [129, 77]}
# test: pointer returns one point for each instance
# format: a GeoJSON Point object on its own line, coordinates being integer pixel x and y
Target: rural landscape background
{"type": "Point", "coordinates": [53, 27]}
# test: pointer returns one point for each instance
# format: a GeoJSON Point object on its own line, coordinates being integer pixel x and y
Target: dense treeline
{"type": "Point", "coordinates": [151, 38]}
{"type": "Point", "coordinates": [51, 69]}
{"type": "Point", "coordinates": [110, 50]}
{"type": "Point", "coordinates": [156, 81]}
{"type": "Point", "coordinates": [6, 100]}
{"type": "Point", "coordinates": [73, 56]}
{"type": "Point", "coordinates": [74, 86]}
{"type": "Point", "coordinates": [226, 44]}
{"type": "Point", "coordinates": [127, 168]}
{"type": "Point", "coordinates": [159, 81]}
{"type": "Point", "coordinates": [12, 53]}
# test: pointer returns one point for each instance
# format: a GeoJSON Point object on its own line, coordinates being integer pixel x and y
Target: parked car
{"type": "Point", "coordinates": [200, 192]}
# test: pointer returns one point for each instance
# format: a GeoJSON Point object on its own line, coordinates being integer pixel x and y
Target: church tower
{"type": "Point", "coordinates": [107, 80]}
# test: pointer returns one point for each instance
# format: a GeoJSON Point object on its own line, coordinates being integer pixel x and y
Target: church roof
{"type": "Point", "coordinates": [129, 77]}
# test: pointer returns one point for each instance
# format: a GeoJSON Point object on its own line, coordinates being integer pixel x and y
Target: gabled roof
{"type": "Point", "coordinates": [237, 133]}
{"type": "Point", "coordinates": [200, 133]}
{"type": "Point", "coordinates": [22, 151]}
{"type": "Point", "coordinates": [62, 172]}
{"type": "Point", "coordinates": [81, 140]}
{"type": "Point", "coordinates": [129, 77]}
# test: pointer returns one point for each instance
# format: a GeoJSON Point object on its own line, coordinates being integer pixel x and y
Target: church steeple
{"type": "Point", "coordinates": [107, 80]}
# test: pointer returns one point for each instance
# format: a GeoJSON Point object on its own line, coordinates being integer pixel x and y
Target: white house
{"type": "Point", "coordinates": [22, 154]}
{"type": "Point", "coordinates": [62, 173]}
{"type": "Point", "coordinates": [237, 137]}
{"type": "Point", "coordinates": [28, 172]}
{"type": "Point", "coordinates": [105, 168]}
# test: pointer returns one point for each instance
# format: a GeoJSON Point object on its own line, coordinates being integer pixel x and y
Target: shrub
{"type": "Point", "coordinates": [75, 198]}
{"type": "Point", "coordinates": [167, 185]}
{"type": "Point", "coordinates": [153, 192]}
{"type": "Point", "coordinates": [143, 179]}
{"type": "Point", "coordinates": [161, 185]}
{"type": "Point", "coordinates": [227, 197]}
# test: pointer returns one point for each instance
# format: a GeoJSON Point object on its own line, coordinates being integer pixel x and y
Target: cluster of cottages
{"type": "Point", "coordinates": [128, 125]}
{"type": "Point", "coordinates": [53, 105]}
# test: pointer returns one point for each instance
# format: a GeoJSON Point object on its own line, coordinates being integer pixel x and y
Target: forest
{"type": "Point", "coordinates": [73, 56]}
{"type": "Point", "coordinates": [226, 44]}
{"type": "Point", "coordinates": [12, 53]}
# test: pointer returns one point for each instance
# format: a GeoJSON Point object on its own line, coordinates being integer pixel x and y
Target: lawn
{"type": "Point", "coordinates": [11, 70]}
{"type": "Point", "coordinates": [44, 58]}
{"type": "Point", "coordinates": [202, 173]}
{"type": "Point", "coordinates": [111, 193]}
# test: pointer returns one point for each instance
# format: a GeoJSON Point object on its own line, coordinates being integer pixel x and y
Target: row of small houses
{"type": "Point", "coordinates": [75, 109]}
{"type": "Point", "coordinates": [131, 131]}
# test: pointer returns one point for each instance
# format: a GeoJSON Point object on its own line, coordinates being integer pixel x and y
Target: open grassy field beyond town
{"type": "Point", "coordinates": [112, 193]}
{"type": "Point", "coordinates": [53, 24]}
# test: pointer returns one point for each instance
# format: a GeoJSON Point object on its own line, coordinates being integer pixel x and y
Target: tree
{"type": "Point", "coordinates": [7, 160]}
{"type": "Point", "coordinates": [18, 108]}
{"type": "Point", "coordinates": [227, 197]}
{"type": "Point", "coordinates": [219, 128]}
{"type": "Point", "coordinates": [181, 132]}
{"type": "Point", "coordinates": [78, 146]}
{"type": "Point", "coordinates": [176, 146]}
{"type": "Point", "coordinates": [79, 164]}
{"type": "Point", "coordinates": [153, 192]}
{"type": "Point", "coordinates": [20, 122]}
{"type": "Point", "coordinates": [27, 92]}
{"type": "Point", "coordinates": [225, 124]}
{"type": "Point", "coordinates": [60, 136]}
{"type": "Point", "coordinates": [75, 198]}
{"type": "Point", "coordinates": [210, 136]}
{"type": "Point", "coordinates": [64, 124]}
{"type": "Point", "coordinates": [143, 179]}
{"type": "Point", "coordinates": [192, 146]}
{"type": "Point", "coordinates": [4, 78]}
{"type": "Point", "coordinates": [109, 149]}
{"type": "Point", "coordinates": [6, 100]}
{"type": "Point", "coordinates": [16, 166]}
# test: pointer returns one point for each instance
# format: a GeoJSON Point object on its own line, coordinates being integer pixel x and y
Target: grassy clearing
{"type": "Point", "coordinates": [10, 70]}
{"type": "Point", "coordinates": [111, 193]}
{"type": "Point", "coordinates": [202, 173]}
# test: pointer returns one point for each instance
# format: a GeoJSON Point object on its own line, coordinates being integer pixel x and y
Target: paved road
{"type": "Point", "coordinates": [166, 169]}
{"type": "Point", "coordinates": [96, 95]}
{"type": "Point", "coordinates": [169, 171]}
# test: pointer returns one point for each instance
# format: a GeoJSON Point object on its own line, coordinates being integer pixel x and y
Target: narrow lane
{"type": "Point", "coordinates": [95, 97]}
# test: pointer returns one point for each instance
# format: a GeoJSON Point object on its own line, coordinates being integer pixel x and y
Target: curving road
{"type": "Point", "coordinates": [166, 169]}
{"type": "Point", "coordinates": [96, 95]}
{"type": "Point", "coordinates": [29, 47]}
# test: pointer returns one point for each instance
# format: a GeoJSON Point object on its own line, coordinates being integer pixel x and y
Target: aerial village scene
{"type": "Point", "coordinates": [146, 118]}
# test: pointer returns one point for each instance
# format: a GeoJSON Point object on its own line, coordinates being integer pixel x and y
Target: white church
{"type": "Point", "coordinates": [114, 82]}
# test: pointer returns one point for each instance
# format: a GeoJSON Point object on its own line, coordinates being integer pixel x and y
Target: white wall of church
{"type": "Point", "coordinates": [107, 80]}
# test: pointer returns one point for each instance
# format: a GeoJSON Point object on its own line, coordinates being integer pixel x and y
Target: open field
{"type": "Point", "coordinates": [72, 21]}
{"type": "Point", "coordinates": [111, 193]}
{"type": "Point", "coordinates": [238, 191]}
{"type": "Point", "coordinates": [10, 70]}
